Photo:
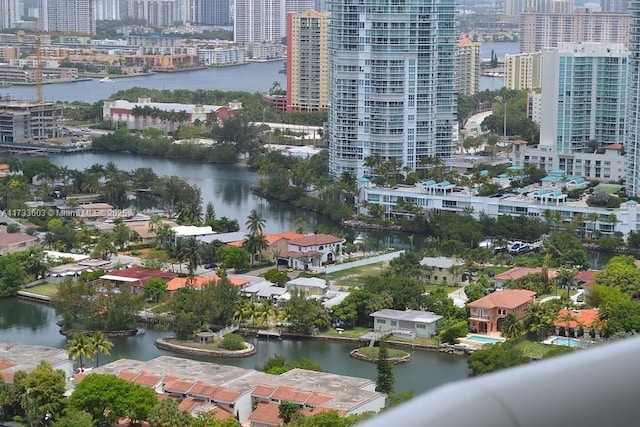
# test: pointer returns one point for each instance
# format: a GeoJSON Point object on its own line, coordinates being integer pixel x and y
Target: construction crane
{"type": "Point", "coordinates": [38, 48]}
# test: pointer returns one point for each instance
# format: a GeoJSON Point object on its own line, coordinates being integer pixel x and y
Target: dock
{"type": "Point", "coordinates": [269, 333]}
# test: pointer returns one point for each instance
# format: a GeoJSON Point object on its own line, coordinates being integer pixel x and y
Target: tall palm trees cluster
{"type": "Point", "coordinates": [86, 347]}
{"type": "Point", "coordinates": [255, 241]}
{"type": "Point", "coordinates": [253, 314]}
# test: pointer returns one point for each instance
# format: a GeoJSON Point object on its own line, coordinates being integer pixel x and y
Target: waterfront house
{"type": "Point", "coordinates": [314, 250]}
{"type": "Point", "coordinates": [262, 291]}
{"type": "Point", "coordinates": [407, 323]}
{"type": "Point", "coordinates": [136, 277]}
{"type": "Point", "coordinates": [277, 244]}
{"type": "Point", "coordinates": [16, 242]}
{"type": "Point", "coordinates": [443, 270]}
{"type": "Point", "coordinates": [488, 313]}
{"type": "Point", "coordinates": [577, 322]}
{"type": "Point", "coordinates": [310, 286]}
{"type": "Point", "coordinates": [199, 282]}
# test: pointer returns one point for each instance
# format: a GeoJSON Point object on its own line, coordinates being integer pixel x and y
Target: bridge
{"type": "Point", "coordinates": [42, 149]}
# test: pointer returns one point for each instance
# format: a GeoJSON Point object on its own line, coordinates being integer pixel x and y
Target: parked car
{"type": "Point", "coordinates": [210, 265]}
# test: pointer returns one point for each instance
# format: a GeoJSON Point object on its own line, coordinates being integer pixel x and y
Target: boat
{"type": "Point", "coordinates": [105, 80]}
{"type": "Point", "coordinates": [516, 248]}
{"type": "Point", "coordinates": [359, 240]}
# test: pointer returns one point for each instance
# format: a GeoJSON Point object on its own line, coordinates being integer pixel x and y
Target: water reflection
{"type": "Point", "coordinates": [23, 316]}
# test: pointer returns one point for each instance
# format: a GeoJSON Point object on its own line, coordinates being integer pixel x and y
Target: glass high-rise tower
{"type": "Point", "coordinates": [392, 82]}
{"type": "Point", "coordinates": [632, 131]}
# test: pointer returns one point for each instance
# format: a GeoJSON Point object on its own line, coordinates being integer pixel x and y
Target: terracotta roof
{"type": "Point", "coordinates": [225, 395]}
{"type": "Point", "coordinates": [520, 142]}
{"type": "Point", "coordinates": [317, 399]}
{"type": "Point", "coordinates": [142, 274]}
{"type": "Point", "coordinates": [285, 392]}
{"type": "Point", "coordinates": [203, 389]}
{"type": "Point", "coordinates": [613, 147]}
{"type": "Point", "coordinates": [266, 413]}
{"type": "Point", "coordinates": [4, 167]}
{"type": "Point", "coordinates": [163, 396]}
{"type": "Point", "coordinates": [464, 41]}
{"type": "Point", "coordinates": [220, 413]}
{"type": "Point", "coordinates": [263, 391]}
{"type": "Point", "coordinates": [587, 317]}
{"type": "Point", "coordinates": [128, 375]}
{"type": "Point", "coordinates": [516, 273]}
{"type": "Point", "coordinates": [147, 380]}
{"type": "Point", "coordinates": [178, 386]}
{"type": "Point", "coordinates": [6, 376]}
{"type": "Point", "coordinates": [508, 298]}
{"type": "Point", "coordinates": [15, 238]}
{"type": "Point", "coordinates": [272, 238]}
{"type": "Point", "coordinates": [308, 412]}
{"type": "Point", "coordinates": [316, 239]}
{"type": "Point", "coordinates": [586, 278]}
{"type": "Point", "coordinates": [188, 404]}
{"type": "Point", "coordinates": [4, 364]}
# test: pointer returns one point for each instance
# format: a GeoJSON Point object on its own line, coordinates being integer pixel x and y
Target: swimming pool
{"type": "Point", "coordinates": [484, 340]}
{"type": "Point", "coordinates": [570, 342]}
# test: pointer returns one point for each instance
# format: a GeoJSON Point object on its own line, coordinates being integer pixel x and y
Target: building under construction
{"type": "Point", "coordinates": [26, 122]}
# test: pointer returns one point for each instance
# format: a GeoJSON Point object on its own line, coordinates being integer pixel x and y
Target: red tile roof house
{"type": "Point", "coordinates": [16, 242]}
{"type": "Point", "coordinates": [136, 277]}
{"type": "Point", "coordinates": [516, 273]}
{"type": "Point", "coordinates": [585, 321]}
{"type": "Point", "coordinates": [487, 313]}
{"type": "Point", "coordinates": [314, 250]}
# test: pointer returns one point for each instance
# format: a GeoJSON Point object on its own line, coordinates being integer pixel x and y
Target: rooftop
{"type": "Point", "coordinates": [17, 356]}
{"type": "Point", "coordinates": [315, 240]}
{"type": "Point", "coordinates": [508, 298]}
{"type": "Point", "coordinates": [516, 273]}
{"type": "Point", "coordinates": [15, 238]}
{"type": "Point", "coordinates": [407, 315]}
{"type": "Point", "coordinates": [440, 262]}
{"type": "Point", "coordinates": [308, 282]}
{"type": "Point", "coordinates": [585, 318]}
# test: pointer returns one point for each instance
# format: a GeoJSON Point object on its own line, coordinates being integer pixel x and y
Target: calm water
{"type": "Point", "coordinates": [255, 77]}
{"type": "Point", "coordinates": [32, 323]}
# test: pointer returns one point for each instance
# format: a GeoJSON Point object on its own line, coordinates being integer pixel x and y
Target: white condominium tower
{"type": "Point", "coordinates": [632, 131]}
{"type": "Point", "coordinates": [258, 21]}
{"type": "Point", "coordinates": [66, 16]}
{"type": "Point", "coordinates": [11, 11]}
{"type": "Point", "coordinates": [392, 91]}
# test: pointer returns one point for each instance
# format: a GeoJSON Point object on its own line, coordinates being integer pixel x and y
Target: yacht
{"type": "Point", "coordinates": [105, 80]}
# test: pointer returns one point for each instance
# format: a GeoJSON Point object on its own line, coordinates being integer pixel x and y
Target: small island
{"type": "Point", "coordinates": [370, 354]}
{"type": "Point", "coordinates": [209, 344]}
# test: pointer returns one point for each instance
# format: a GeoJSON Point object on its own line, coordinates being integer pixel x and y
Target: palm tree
{"type": "Point", "coordinates": [79, 347]}
{"type": "Point", "coordinates": [100, 345]}
{"type": "Point", "coordinates": [190, 252]}
{"type": "Point", "coordinates": [567, 317]}
{"type": "Point", "coordinates": [241, 311]}
{"type": "Point", "coordinates": [255, 244]}
{"type": "Point", "coordinates": [566, 278]}
{"type": "Point", "coordinates": [255, 222]}
{"type": "Point", "coordinates": [593, 219]}
{"type": "Point", "coordinates": [267, 310]}
{"type": "Point", "coordinates": [253, 312]}
{"type": "Point", "coordinates": [511, 327]}
{"type": "Point", "coordinates": [544, 273]}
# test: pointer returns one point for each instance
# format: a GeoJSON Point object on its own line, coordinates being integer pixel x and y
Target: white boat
{"type": "Point", "coordinates": [358, 240]}
{"type": "Point", "coordinates": [105, 80]}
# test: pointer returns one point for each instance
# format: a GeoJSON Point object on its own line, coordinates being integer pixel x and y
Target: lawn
{"type": "Point", "coordinates": [348, 333]}
{"type": "Point", "coordinates": [372, 352]}
{"type": "Point", "coordinates": [356, 276]}
{"type": "Point", "coordinates": [534, 349]}
{"type": "Point", "coordinates": [46, 289]}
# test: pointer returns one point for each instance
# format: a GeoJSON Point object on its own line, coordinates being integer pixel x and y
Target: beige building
{"type": "Point", "coordinates": [308, 61]}
{"type": "Point", "coordinates": [540, 30]}
{"type": "Point", "coordinates": [468, 67]}
{"type": "Point", "coordinates": [523, 71]}
{"type": "Point", "coordinates": [443, 270]}
{"type": "Point", "coordinates": [16, 242]}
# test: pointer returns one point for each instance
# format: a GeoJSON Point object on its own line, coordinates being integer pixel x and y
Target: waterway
{"type": "Point", "coordinates": [33, 323]}
{"type": "Point", "coordinates": [253, 77]}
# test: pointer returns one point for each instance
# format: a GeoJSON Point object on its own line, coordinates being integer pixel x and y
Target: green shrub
{"type": "Point", "coordinates": [233, 342]}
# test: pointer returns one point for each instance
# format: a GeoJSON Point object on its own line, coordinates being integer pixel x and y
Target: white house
{"type": "Point", "coordinates": [406, 324]}
{"type": "Point", "coordinates": [311, 286]}
{"type": "Point", "coordinates": [314, 250]}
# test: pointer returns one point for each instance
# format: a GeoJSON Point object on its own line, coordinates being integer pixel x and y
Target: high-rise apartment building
{"type": "Point", "coordinates": [468, 67]}
{"type": "Point", "coordinates": [66, 16]}
{"type": "Point", "coordinates": [212, 12]}
{"type": "Point", "coordinates": [549, 6]}
{"type": "Point", "coordinates": [632, 134]}
{"type": "Point", "coordinates": [106, 10]}
{"type": "Point", "coordinates": [392, 82]}
{"type": "Point", "coordinates": [259, 21]}
{"type": "Point", "coordinates": [514, 7]}
{"type": "Point", "coordinates": [584, 89]}
{"type": "Point", "coordinates": [614, 5]}
{"type": "Point", "coordinates": [298, 6]}
{"type": "Point", "coordinates": [11, 11]}
{"type": "Point", "coordinates": [156, 13]}
{"type": "Point", "coordinates": [522, 71]}
{"type": "Point", "coordinates": [540, 30]}
{"type": "Point", "coordinates": [308, 61]}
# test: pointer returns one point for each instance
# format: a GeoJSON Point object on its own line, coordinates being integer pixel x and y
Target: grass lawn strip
{"type": "Point", "coordinates": [372, 352]}
{"type": "Point", "coordinates": [46, 289]}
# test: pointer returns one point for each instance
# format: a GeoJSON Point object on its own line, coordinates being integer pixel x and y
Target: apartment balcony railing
{"type": "Point", "coordinates": [589, 388]}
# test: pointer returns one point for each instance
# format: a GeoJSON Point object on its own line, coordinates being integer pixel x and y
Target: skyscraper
{"type": "Point", "coordinates": [10, 12]}
{"type": "Point", "coordinates": [468, 67]}
{"type": "Point", "coordinates": [258, 21]}
{"type": "Point", "coordinates": [212, 12]}
{"type": "Point", "coordinates": [106, 10]}
{"type": "Point", "coordinates": [67, 16]}
{"type": "Point", "coordinates": [392, 91]}
{"type": "Point", "coordinates": [584, 88]}
{"type": "Point", "coordinates": [632, 131]}
{"type": "Point", "coordinates": [522, 71]}
{"type": "Point", "coordinates": [308, 61]}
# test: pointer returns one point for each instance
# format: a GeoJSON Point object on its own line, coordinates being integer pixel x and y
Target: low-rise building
{"type": "Point", "coordinates": [242, 392]}
{"type": "Point", "coordinates": [443, 270]}
{"type": "Point", "coordinates": [23, 122]}
{"type": "Point", "coordinates": [573, 323]}
{"type": "Point", "coordinates": [517, 273]}
{"type": "Point", "coordinates": [406, 324]}
{"type": "Point", "coordinates": [314, 250]}
{"type": "Point", "coordinates": [16, 242]}
{"type": "Point", "coordinates": [16, 357]}
{"type": "Point", "coordinates": [222, 56]}
{"type": "Point", "coordinates": [310, 286]}
{"type": "Point", "coordinates": [136, 277]}
{"type": "Point", "coordinates": [488, 313]}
